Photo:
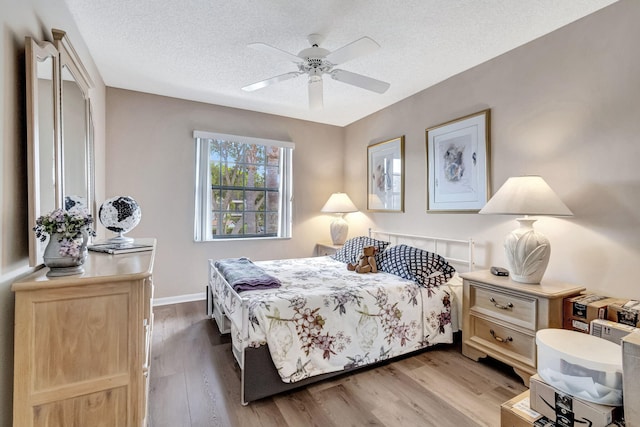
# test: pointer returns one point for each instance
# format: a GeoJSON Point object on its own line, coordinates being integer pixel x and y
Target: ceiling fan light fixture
{"type": "Point", "coordinates": [316, 101]}
{"type": "Point", "coordinates": [315, 66]}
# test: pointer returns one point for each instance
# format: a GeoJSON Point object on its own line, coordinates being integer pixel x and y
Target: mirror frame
{"type": "Point", "coordinates": [70, 59]}
{"type": "Point", "coordinates": [63, 54]}
{"type": "Point", "coordinates": [34, 54]}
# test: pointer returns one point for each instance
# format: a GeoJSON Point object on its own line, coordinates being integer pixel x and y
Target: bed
{"type": "Point", "coordinates": [324, 320]}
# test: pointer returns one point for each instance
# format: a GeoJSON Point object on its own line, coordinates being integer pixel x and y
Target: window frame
{"type": "Point", "coordinates": [203, 187]}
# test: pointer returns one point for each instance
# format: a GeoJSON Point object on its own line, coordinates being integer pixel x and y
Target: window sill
{"type": "Point", "coordinates": [242, 239]}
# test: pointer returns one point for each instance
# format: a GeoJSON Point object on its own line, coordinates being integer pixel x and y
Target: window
{"type": "Point", "coordinates": [243, 187]}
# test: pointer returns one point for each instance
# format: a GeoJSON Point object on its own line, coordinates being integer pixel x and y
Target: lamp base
{"type": "Point", "coordinates": [527, 252]}
{"type": "Point", "coordinates": [339, 230]}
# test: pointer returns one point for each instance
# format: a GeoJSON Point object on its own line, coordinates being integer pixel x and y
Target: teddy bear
{"type": "Point", "coordinates": [366, 262]}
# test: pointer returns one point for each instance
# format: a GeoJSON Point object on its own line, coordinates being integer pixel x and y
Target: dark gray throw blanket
{"type": "Point", "coordinates": [243, 275]}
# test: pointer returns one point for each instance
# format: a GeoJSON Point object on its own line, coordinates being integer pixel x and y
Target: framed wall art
{"type": "Point", "coordinates": [385, 176]}
{"type": "Point", "coordinates": [458, 156]}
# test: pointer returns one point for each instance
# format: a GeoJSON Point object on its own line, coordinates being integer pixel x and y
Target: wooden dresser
{"type": "Point", "coordinates": [501, 317]}
{"type": "Point", "coordinates": [82, 344]}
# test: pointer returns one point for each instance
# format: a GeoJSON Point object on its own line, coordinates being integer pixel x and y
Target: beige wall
{"type": "Point", "coordinates": [565, 106]}
{"type": "Point", "coordinates": [18, 19]}
{"type": "Point", "coordinates": [151, 157]}
{"type": "Point", "coordinates": [562, 107]}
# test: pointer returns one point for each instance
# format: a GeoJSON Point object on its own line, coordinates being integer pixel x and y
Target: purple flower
{"type": "Point", "coordinates": [69, 224]}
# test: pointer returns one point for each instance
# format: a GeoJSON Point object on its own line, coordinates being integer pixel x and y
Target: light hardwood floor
{"type": "Point", "coordinates": [195, 382]}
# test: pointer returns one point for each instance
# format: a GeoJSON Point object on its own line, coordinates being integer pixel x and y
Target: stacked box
{"type": "Point", "coordinates": [580, 310]}
{"type": "Point", "coordinates": [611, 331]}
{"type": "Point", "coordinates": [631, 372]}
{"type": "Point", "coordinates": [569, 411]}
{"type": "Point", "coordinates": [626, 312]}
{"type": "Point", "coordinates": [546, 422]}
{"type": "Point", "coordinates": [517, 412]}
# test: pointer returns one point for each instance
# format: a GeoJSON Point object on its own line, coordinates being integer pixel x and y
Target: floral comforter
{"type": "Point", "coordinates": [325, 318]}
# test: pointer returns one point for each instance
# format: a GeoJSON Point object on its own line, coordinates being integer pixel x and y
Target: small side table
{"type": "Point", "coordinates": [326, 248]}
{"type": "Point", "coordinates": [501, 317]}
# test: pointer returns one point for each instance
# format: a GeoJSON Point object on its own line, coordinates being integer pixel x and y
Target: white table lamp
{"type": "Point", "coordinates": [339, 204]}
{"type": "Point", "coordinates": [527, 250]}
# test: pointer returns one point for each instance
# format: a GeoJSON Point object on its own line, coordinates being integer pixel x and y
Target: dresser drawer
{"type": "Point", "coordinates": [506, 341]}
{"type": "Point", "coordinates": [516, 309]}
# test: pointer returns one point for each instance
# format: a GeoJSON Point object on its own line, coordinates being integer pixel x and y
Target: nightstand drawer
{"type": "Point", "coordinates": [507, 341]}
{"type": "Point", "coordinates": [515, 309]}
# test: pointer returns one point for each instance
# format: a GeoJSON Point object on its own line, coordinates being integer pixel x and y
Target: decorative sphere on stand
{"type": "Point", "coordinates": [120, 214]}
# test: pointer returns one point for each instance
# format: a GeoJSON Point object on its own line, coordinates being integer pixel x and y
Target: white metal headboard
{"type": "Point", "coordinates": [450, 249]}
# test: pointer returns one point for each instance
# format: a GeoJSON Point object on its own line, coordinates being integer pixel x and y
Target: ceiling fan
{"type": "Point", "coordinates": [316, 61]}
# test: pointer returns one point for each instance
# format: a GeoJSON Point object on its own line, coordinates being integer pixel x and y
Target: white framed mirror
{"type": "Point", "coordinates": [59, 132]}
{"type": "Point", "coordinates": [43, 149]}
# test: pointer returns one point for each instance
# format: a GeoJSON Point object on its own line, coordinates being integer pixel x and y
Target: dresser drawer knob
{"type": "Point", "coordinates": [499, 339]}
{"type": "Point", "coordinates": [500, 306]}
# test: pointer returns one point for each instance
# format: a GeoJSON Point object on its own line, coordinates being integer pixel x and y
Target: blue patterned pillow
{"type": "Point", "coordinates": [423, 267]}
{"type": "Point", "coordinates": [394, 261]}
{"type": "Point", "coordinates": [352, 249]}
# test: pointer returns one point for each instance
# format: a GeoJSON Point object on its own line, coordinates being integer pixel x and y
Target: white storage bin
{"type": "Point", "coordinates": [581, 365]}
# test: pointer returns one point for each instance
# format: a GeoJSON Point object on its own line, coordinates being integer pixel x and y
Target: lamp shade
{"type": "Point", "coordinates": [526, 195]}
{"type": "Point", "coordinates": [339, 203]}
{"type": "Point", "coordinates": [526, 249]}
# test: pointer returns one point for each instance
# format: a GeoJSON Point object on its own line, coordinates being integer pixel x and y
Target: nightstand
{"type": "Point", "coordinates": [501, 317]}
{"type": "Point", "coordinates": [326, 248]}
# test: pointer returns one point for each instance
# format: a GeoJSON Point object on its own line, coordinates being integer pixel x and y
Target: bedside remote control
{"type": "Point", "coordinates": [499, 271]}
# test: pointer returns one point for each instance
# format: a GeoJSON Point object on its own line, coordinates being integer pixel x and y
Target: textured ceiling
{"type": "Point", "coordinates": [197, 49]}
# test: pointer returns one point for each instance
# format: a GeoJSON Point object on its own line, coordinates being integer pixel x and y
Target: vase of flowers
{"type": "Point", "coordinates": [68, 233]}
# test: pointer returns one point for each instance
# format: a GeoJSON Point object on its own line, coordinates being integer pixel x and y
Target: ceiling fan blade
{"type": "Point", "coordinates": [275, 51]}
{"type": "Point", "coordinates": [352, 50]}
{"type": "Point", "coordinates": [359, 80]}
{"type": "Point", "coordinates": [272, 80]}
{"type": "Point", "coordinates": [315, 94]}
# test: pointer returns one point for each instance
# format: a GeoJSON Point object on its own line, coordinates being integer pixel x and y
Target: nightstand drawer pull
{"type": "Point", "coordinates": [499, 339]}
{"type": "Point", "coordinates": [500, 306]}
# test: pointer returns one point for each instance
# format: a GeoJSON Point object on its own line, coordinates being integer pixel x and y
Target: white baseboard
{"type": "Point", "coordinates": [178, 299]}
